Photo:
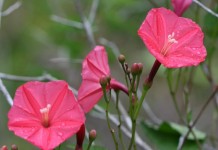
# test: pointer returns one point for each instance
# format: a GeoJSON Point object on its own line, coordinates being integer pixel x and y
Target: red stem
{"type": "Point", "coordinates": [154, 69]}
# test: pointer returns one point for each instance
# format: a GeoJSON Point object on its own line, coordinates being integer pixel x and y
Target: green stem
{"type": "Point", "coordinates": [137, 85]}
{"type": "Point", "coordinates": [126, 76]}
{"type": "Point", "coordinates": [173, 93]}
{"type": "Point", "coordinates": [107, 118]}
{"type": "Point", "coordinates": [89, 146]}
{"type": "Point", "coordinates": [147, 85]}
{"type": "Point", "coordinates": [120, 121]}
{"type": "Point", "coordinates": [138, 107]}
{"type": "Point", "coordinates": [133, 134]}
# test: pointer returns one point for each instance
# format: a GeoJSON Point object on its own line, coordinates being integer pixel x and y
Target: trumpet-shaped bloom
{"type": "Point", "coordinates": [94, 67]}
{"type": "Point", "coordinates": [174, 41]}
{"type": "Point", "coordinates": [180, 6]}
{"type": "Point", "coordinates": [45, 113]}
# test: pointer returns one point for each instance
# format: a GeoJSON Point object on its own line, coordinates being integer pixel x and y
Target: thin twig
{"type": "Point", "coordinates": [86, 24]}
{"type": "Point", "coordinates": [206, 8]}
{"type": "Point", "coordinates": [110, 44]}
{"type": "Point", "coordinates": [11, 8]}
{"type": "Point", "coordinates": [93, 11]}
{"type": "Point", "coordinates": [67, 22]}
{"type": "Point", "coordinates": [6, 93]}
{"type": "Point", "coordinates": [1, 6]}
{"type": "Point", "coordinates": [26, 78]}
{"type": "Point", "coordinates": [197, 118]}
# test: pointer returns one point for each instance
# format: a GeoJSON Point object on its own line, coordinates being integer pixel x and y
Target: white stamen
{"type": "Point", "coordinates": [168, 44]}
{"type": "Point", "coordinates": [45, 115]}
{"type": "Point", "coordinates": [46, 109]}
{"type": "Point", "coordinates": [171, 38]}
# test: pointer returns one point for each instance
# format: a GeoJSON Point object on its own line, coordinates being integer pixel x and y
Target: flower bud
{"type": "Point", "coordinates": [135, 69]}
{"type": "Point", "coordinates": [180, 6]}
{"type": "Point", "coordinates": [92, 135]}
{"type": "Point", "coordinates": [4, 147]}
{"type": "Point", "coordinates": [140, 67]}
{"type": "Point", "coordinates": [121, 58]}
{"type": "Point", "coordinates": [104, 81]}
{"type": "Point", "coordinates": [14, 147]}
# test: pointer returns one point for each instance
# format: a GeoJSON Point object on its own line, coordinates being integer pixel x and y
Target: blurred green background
{"type": "Point", "coordinates": [32, 43]}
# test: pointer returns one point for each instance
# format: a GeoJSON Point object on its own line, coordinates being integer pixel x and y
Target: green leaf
{"type": "Point", "coordinates": [182, 130]}
{"type": "Point", "coordinates": [166, 136]}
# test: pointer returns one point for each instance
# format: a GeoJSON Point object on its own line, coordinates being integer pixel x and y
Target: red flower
{"type": "Point", "coordinates": [180, 6]}
{"type": "Point", "coordinates": [45, 114]}
{"type": "Point", "coordinates": [174, 41]}
{"type": "Point", "coordinates": [95, 66]}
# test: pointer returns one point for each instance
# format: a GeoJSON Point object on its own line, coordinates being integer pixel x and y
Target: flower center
{"type": "Point", "coordinates": [45, 115]}
{"type": "Point", "coordinates": [171, 40]}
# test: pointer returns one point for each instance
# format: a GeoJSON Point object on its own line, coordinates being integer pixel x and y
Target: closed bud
{"type": "Point", "coordinates": [92, 135]}
{"type": "Point", "coordinates": [4, 147]}
{"type": "Point", "coordinates": [140, 67]}
{"type": "Point", "coordinates": [121, 58]}
{"type": "Point", "coordinates": [104, 81]}
{"type": "Point", "coordinates": [14, 147]}
{"type": "Point", "coordinates": [135, 69]}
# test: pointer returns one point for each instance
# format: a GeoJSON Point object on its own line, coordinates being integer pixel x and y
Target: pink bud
{"type": "Point", "coordinates": [140, 67]}
{"type": "Point", "coordinates": [92, 135]}
{"type": "Point", "coordinates": [180, 6]}
{"type": "Point", "coordinates": [4, 147]}
{"type": "Point", "coordinates": [104, 81]}
{"type": "Point", "coordinates": [136, 68]}
{"type": "Point", "coordinates": [14, 147]}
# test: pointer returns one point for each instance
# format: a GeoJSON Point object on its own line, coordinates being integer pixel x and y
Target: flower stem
{"type": "Point", "coordinates": [133, 134]}
{"type": "Point", "coordinates": [174, 91]}
{"type": "Point", "coordinates": [107, 118]}
{"type": "Point", "coordinates": [126, 76]}
{"type": "Point", "coordinates": [89, 146]}
{"type": "Point", "coordinates": [147, 85]}
{"type": "Point", "coordinates": [120, 121]}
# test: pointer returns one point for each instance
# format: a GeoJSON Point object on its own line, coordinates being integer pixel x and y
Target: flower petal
{"type": "Point", "coordinates": [95, 64]}
{"type": "Point", "coordinates": [180, 6]}
{"type": "Point", "coordinates": [89, 94]}
{"type": "Point", "coordinates": [65, 116]}
{"type": "Point", "coordinates": [189, 47]}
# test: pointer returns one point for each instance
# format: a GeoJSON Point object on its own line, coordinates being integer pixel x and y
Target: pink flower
{"type": "Point", "coordinates": [174, 41]}
{"type": "Point", "coordinates": [180, 6]}
{"type": "Point", "coordinates": [45, 114]}
{"type": "Point", "coordinates": [95, 66]}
